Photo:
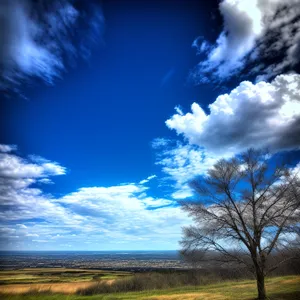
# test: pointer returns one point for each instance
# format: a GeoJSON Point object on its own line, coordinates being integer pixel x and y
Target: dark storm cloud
{"type": "Point", "coordinates": [262, 35]}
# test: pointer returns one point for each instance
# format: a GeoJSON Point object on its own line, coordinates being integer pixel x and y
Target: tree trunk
{"type": "Point", "coordinates": [260, 279]}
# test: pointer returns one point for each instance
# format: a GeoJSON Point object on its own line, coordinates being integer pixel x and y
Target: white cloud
{"type": "Point", "coordinates": [262, 115]}
{"type": "Point", "coordinates": [22, 226]}
{"type": "Point", "coordinates": [247, 25]}
{"type": "Point", "coordinates": [281, 42]}
{"type": "Point", "coordinates": [125, 204]}
{"type": "Point", "coordinates": [36, 38]}
{"type": "Point", "coordinates": [159, 142]}
{"type": "Point", "coordinates": [265, 115]}
{"type": "Point", "coordinates": [150, 202]}
{"type": "Point", "coordinates": [7, 148]}
{"type": "Point", "coordinates": [101, 217]}
{"type": "Point", "coordinates": [243, 24]}
{"type": "Point", "coordinates": [148, 179]}
{"type": "Point", "coordinates": [32, 235]}
{"type": "Point", "coordinates": [295, 171]}
{"type": "Point", "coordinates": [184, 192]}
{"type": "Point", "coordinates": [19, 200]}
{"type": "Point", "coordinates": [46, 181]}
{"type": "Point", "coordinates": [182, 163]}
{"type": "Point", "coordinates": [12, 166]}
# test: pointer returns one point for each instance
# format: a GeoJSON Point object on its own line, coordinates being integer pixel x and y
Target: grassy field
{"type": "Point", "coordinates": [49, 275]}
{"type": "Point", "coordinates": [279, 288]}
{"type": "Point", "coordinates": [54, 279]}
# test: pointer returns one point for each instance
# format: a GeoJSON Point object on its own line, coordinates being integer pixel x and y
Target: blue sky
{"type": "Point", "coordinates": [106, 117]}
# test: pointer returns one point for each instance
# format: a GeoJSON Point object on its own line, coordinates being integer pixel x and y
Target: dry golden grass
{"type": "Point", "coordinates": [294, 280]}
{"type": "Point", "coordinates": [278, 288]}
{"type": "Point", "coordinates": [63, 288]}
{"type": "Point", "coordinates": [51, 276]}
{"type": "Point", "coordinates": [191, 296]}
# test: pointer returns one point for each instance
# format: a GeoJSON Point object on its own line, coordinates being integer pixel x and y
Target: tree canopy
{"type": "Point", "coordinates": [247, 209]}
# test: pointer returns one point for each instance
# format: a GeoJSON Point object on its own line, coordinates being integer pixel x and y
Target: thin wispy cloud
{"type": "Point", "coordinates": [147, 179]}
{"type": "Point", "coordinates": [167, 77]}
{"type": "Point", "coordinates": [41, 40]}
{"type": "Point", "coordinates": [7, 148]}
{"type": "Point", "coordinates": [181, 162]}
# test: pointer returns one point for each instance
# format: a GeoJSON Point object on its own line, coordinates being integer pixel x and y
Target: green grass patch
{"type": "Point", "coordinates": [279, 288]}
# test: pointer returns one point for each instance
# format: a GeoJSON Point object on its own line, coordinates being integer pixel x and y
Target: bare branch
{"type": "Point", "coordinates": [245, 202]}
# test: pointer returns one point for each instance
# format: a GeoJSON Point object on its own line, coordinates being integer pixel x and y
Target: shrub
{"type": "Point", "coordinates": [161, 280]}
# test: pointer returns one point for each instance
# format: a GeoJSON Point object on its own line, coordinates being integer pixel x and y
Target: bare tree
{"type": "Point", "coordinates": [247, 210]}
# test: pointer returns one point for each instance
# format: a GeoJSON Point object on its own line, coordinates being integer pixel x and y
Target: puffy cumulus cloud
{"type": "Point", "coordinates": [89, 218]}
{"type": "Point", "coordinates": [268, 26]}
{"type": "Point", "coordinates": [263, 114]}
{"type": "Point", "coordinates": [39, 38]}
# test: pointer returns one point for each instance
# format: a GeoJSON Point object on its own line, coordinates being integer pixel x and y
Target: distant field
{"type": "Point", "coordinates": [279, 288]}
{"type": "Point", "coordinates": [54, 279]}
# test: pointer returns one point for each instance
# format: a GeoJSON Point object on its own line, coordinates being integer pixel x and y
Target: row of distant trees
{"type": "Point", "coordinates": [248, 212]}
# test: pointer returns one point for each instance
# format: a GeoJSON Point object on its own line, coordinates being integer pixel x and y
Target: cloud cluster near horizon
{"type": "Point", "coordinates": [39, 40]}
{"type": "Point", "coordinates": [98, 218]}
{"type": "Point", "coordinates": [253, 31]}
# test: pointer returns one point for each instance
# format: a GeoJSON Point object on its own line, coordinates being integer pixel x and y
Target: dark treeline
{"type": "Point", "coordinates": [212, 262]}
{"type": "Point", "coordinates": [211, 272]}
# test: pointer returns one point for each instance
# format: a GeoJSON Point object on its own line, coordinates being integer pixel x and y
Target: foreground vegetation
{"type": "Point", "coordinates": [278, 288]}
{"type": "Point", "coordinates": [57, 280]}
{"type": "Point", "coordinates": [246, 202]}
